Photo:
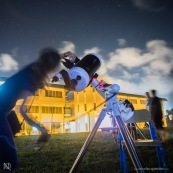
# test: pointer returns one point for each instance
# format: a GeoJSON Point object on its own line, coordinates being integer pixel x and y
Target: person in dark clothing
{"type": "Point", "coordinates": [156, 115]}
{"type": "Point", "coordinates": [156, 111]}
{"type": "Point", "coordinates": [19, 86]}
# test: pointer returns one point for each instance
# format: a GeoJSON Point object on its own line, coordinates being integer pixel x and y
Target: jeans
{"type": "Point", "coordinates": [8, 152]}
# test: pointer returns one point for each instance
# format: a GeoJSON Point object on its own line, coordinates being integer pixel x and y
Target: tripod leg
{"type": "Point", "coordinates": [130, 146]}
{"type": "Point", "coordinates": [88, 141]}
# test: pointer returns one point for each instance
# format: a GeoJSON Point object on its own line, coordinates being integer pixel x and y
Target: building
{"type": "Point", "coordinates": [61, 111]}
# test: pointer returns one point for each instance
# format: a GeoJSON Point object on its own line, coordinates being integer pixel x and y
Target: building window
{"type": "Point", "coordinates": [134, 101]}
{"type": "Point", "coordinates": [56, 126]}
{"type": "Point", "coordinates": [68, 111]}
{"type": "Point", "coordinates": [85, 107]}
{"type": "Point", "coordinates": [53, 127]}
{"type": "Point", "coordinates": [31, 109]}
{"type": "Point", "coordinates": [52, 110]}
{"type": "Point", "coordinates": [51, 93]}
{"type": "Point", "coordinates": [58, 110]}
{"type": "Point", "coordinates": [120, 99]}
{"type": "Point", "coordinates": [94, 106]}
{"type": "Point", "coordinates": [142, 101]}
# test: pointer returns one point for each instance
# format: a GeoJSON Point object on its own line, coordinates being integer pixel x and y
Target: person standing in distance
{"type": "Point", "coordinates": [19, 86]}
{"type": "Point", "coordinates": [147, 103]}
{"type": "Point", "coordinates": [155, 109]}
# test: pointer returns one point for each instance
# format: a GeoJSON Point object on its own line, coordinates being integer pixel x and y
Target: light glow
{"type": "Point", "coordinates": [35, 131]}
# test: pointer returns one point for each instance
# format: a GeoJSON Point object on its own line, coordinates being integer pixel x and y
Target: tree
{"type": "Point", "coordinates": [169, 112]}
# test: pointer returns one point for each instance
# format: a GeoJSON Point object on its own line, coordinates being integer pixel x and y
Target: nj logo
{"type": "Point", "coordinates": [7, 166]}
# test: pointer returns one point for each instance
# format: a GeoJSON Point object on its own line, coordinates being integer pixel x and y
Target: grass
{"type": "Point", "coordinates": [59, 154]}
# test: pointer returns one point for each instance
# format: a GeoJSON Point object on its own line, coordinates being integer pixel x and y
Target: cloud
{"type": "Point", "coordinates": [67, 46]}
{"type": "Point", "coordinates": [95, 50]}
{"type": "Point", "coordinates": [137, 70]}
{"type": "Point", "coordinates": [131, 57]}
{"type": "Point", "coordinates": [150, 5]}
{"type": "Point", "coordinates": [7, 63]}
{"type": "Point", "coordinates": [128, 76]}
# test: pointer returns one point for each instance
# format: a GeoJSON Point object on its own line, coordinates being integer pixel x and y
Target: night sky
{"type": "Point", "coordinates": [133, 37]}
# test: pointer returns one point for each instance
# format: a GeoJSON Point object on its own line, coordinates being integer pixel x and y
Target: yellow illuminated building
{"type": "Point", "coordinates": [61, 111]}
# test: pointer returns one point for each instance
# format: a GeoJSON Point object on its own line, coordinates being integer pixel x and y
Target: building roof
{"type": "Point", "coordinates": [137, 95]}
{"type": "Point", "coordinates": [120, 93]}
{"type": "Point", "coordinates": [56, 85]}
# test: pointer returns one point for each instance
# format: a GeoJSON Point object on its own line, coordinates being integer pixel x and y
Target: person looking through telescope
{"type": "Point", "coordinates": [19, 86]}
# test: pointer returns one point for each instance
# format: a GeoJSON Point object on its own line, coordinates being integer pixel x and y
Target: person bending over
{"type": "Point", "coordinates": [19, 86]}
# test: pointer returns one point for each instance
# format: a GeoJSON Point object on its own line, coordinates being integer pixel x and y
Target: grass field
{"type": "Point", "coordinates": [58, 154]}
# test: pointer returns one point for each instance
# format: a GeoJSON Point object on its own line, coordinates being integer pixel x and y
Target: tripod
{"type": "Point", "coordinates": [113, 107]}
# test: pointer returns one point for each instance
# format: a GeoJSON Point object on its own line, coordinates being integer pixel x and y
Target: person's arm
{"type": "Point", "coordinates": [32, 123]}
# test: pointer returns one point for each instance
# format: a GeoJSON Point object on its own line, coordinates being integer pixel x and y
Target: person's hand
{"type": "Point", "coordinates": [44, 137]}
{"type": "Point", "coordinates": [71, 56]}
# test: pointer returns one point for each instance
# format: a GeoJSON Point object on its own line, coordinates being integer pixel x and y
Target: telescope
{"type": "Point", "coordinates": [79, 75]}
{"type": "Point", "coordinates": [80, 72]}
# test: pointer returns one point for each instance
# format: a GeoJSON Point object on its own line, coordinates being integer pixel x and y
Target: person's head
{"type": "Point", "coordinates": [49, 60]}
{"type": "Point", "coordinates": [147, 94]}
{"type": "Point", "coordinates": [153, 93]}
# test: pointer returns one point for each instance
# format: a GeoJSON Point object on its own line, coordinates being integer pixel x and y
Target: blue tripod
{"type": "Point", "coordinates": [154, 142]}
{"type": "Point", "coordinates": [113, 107]}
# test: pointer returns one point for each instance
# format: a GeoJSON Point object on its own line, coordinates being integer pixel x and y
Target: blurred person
{"type": "Point", "coordinates": [156, 113]}
{"type": "Point", "coordinates": [19, 86]}
{"type": "Point", "coordinates": [147, 103]}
